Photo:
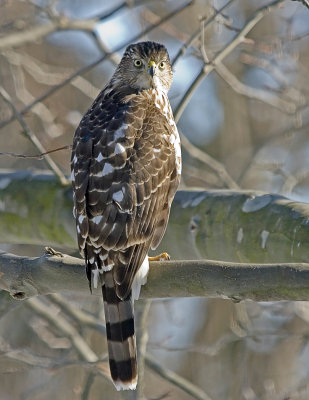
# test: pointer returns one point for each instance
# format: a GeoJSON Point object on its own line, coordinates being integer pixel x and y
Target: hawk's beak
{"type": "Point", "coordinates": [151, 68]}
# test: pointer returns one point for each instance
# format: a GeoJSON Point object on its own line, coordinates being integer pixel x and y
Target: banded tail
{"type": "Point", "coordinates": [120, 335]}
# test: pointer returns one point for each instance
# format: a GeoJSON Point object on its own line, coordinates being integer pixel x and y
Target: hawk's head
{"type": "Point", "coordinates": [145, 65]}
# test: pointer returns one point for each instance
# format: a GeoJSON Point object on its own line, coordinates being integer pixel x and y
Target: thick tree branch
{"type": "Point", "coordinates": [240, 226]}
{"type": "Point", "coordinates": [26, 277]}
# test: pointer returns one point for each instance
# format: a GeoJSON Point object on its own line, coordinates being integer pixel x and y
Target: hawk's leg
{"type": "Point", "coordinates": [160, 257]}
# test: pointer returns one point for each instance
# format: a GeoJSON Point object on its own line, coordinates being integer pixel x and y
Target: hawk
{"type": "Point", "coordinates": [126, 166]}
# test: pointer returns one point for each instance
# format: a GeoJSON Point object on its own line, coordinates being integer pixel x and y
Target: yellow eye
{"type": "Point", "coordinates": [138, 63]}
{"type": "Point", "coordinates": [162, 65]}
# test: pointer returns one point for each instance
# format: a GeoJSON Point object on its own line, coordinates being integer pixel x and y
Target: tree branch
{"type": "Point", "coordinates": [211, 162]}
{"type": "Point", "coordinates": [177, 380]}
{"type": "Point", "coordinates": [265, 96]}
{"type": "Point", "coordinates": [240, 226]}
{"type": "Point", "coordinates": [26, 277]}
{"type": "Point", "coordinates": [56, 23]}
{"type": "Point", "coordinates": [35, 141]}
{"type": "Point", "coordinates": [207, 68]}
{"type": "Point", "coordinates": [196, 35]}
{"type": "Point", "coordinates": [92, 65]}
{"type": "Point", "coordinates": [67, 329]}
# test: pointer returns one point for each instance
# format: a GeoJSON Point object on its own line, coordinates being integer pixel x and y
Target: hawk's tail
{"type": "Point", "coordinates": [120, 335]}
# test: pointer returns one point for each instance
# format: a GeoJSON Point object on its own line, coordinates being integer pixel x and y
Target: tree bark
{"type": "Point", "coordinates": [26, 277]}
{"type": "Point", "coordinates": [237, 226]}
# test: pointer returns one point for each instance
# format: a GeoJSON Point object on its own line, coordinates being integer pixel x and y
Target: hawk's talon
{"type": "Point", "coordinates": [160, 257]}
{"type": "Point", "coordinates": [49, 251]}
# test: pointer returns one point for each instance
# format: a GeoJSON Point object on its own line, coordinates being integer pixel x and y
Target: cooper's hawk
{"type": "Point", "coordinates": [126, 166]}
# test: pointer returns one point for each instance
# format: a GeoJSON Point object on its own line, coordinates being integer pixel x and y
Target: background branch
{"type": "Point", "coordinates": [90, 66]}
{"type": "Point", "coordinates": [32, 137]}
{"type": "Point", "coordinates": [222, 54]}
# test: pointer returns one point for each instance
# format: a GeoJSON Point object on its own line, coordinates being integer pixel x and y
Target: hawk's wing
{"type": "Point", "coordinates": [124, 179]}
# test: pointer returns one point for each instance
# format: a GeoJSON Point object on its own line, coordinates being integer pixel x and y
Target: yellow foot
{"type": "Point", "coordinates": [160, 257]}
{"type": "Point", "coordinates": [51, 252]}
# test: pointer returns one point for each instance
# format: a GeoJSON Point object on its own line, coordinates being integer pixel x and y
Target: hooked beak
{"type": "Point", "coordinates": [151, 68]}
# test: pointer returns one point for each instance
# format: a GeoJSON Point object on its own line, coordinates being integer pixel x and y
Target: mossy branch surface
{"type": "Point", "coordinates": [260, 239]}
{"type": "Point", "coordinates": [237, 226]}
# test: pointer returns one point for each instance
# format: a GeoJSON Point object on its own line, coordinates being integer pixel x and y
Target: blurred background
{"type": "Point", "coordinates": [241, 99]}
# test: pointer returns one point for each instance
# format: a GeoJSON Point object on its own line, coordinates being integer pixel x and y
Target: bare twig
{"type": "Point", "coordinates": [170, 29]}
{"type": "Point", "coordinates": [189, 93]}
{"type": "Point", "coordinates": [78, 315]}
{"type": "Point", "coordinates": [291, 92]}
{"type": "Point", "coordinates": [38, 32]}
{"type": "Point", "coordinates": [53, 166]}
{"type": "Point", "coordinates": [35, 156]}
{"type": "Point", "coordinates": [64, 327]}
{"type": "Point", "coordinates": [254, 93]}
{"type": "Point", "coordinates": [213, 164]}
{"type": "Point", "coordinates": [196, 35]}
{"type": "Point", "coordinates": [294, 180]}
{"type": "Point", "coordinates": [85, 87]}
{"type": "Point", "coordinates": [84, 319]}
{"type": "Point", "coordinates": [40, 71]}
{"type": "Point", "coordinates": [57, 22]}
{"type": "Point", "coordinates": [87, 386]}
{"type": "Point", "coordinates": [207, 68]}
{"type": "Point", "coordinates": [174, 378]}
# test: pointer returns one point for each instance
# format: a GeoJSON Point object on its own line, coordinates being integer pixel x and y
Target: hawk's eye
{"type": "Point", "coordinates": [162, 65]}
{"type": "Point", "coordinates": [138, 63]}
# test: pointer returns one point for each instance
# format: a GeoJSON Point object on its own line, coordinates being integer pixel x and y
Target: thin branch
{"type": "Point", "coordinates": [293, 180]}
{"type": "Point", "coordinates": [78, 315]}
{"type": "Point", "coordinates": [189, 93]}
{"type": "Point", "coordinates": [207, 68]}
{"type": "Point", "coordinates": [53, 166]}
{"type": "Point", "coordinates": [38, 32]}
{"type": "Point", "coordinates": [170, 29]}
{"type": "Point", "coordinates": [254, 93]}
{"type": "Point", "coordinates": [196, 35]}
{"type": "Point", "coordinates": [42, 111]}
{"type": "Point", "coordinates": [85, 87]}
{"type": "Point", "coordinates": [36, 156]}
{"type": "Point", "coordinates": [87, 386]}
{"type": "Point", "coordinates": [213, 164]}
{"type": "Point", "coordinates": [26, 277]}
{"type": "Point", "coordinates": [90, 66]}
{"type": "Point", "coordinates": [277, 74]}
{"type": "Point", "coordinates": [85, 319]}
{"type": "Point", "coordinates": [41, 72]}
{"type": "Point", "coordinates": [57, 22]}
{"type": "Point", "coordinates": [95, 367]}
{"type": "Point", "coordinates": [174, 378]}
{"type": "Point", "coordinates": [67, 329]}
